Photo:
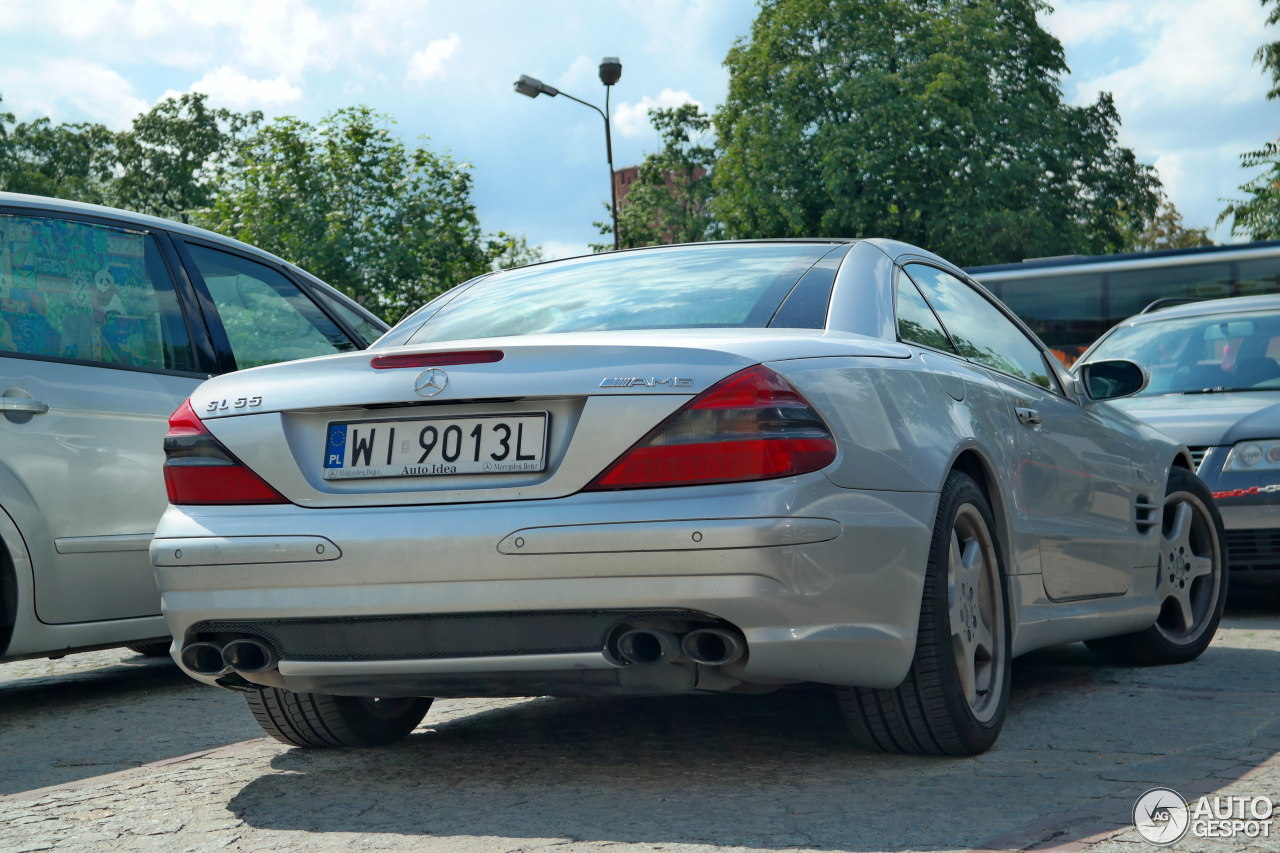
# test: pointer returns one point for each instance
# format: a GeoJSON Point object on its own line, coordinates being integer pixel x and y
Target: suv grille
{"type": "Point", "coordinates": [1253, 550]}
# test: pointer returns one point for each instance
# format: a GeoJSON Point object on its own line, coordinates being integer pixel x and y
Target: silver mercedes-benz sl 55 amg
{"type": "Point", "coordinates": [690, 469]}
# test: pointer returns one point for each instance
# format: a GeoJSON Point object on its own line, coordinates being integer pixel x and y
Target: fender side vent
{"type": "Point", "coordinates": [1146, 513]}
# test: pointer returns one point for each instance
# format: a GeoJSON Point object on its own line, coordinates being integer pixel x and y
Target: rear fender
{"type": "Point", "coordinates": [16, 580]}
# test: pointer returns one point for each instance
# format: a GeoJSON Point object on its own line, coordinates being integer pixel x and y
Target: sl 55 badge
{"type": "Point", "coordinates": [236, 403]}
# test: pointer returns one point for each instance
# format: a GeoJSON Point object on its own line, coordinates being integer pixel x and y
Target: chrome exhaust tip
{"type": "Point", "coordinates": [249, 655]}
{"type": "Point", "coordinates": [204, 659]}
{"type": "Point", "coordinates": [647, 646]}
{"type": "Point", "coordinates": [713, 646]}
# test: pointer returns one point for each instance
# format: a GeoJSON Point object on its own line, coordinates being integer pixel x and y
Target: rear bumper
{"type": "Point", "coordinates": [823, 583]}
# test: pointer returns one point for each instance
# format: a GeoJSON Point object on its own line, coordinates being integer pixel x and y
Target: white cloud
{"type": "Point", "coordinates": [1194, 51]}
{"type": "Point", "coordinates": [71, 20]}
{"type": "Point", "coordinates": [582, 73]}
{"type": "Point", "coordinates": [229, 88]}
{"type": "Point", "coordinates": [633, 119]}
{"type": "Point", "coordinates": [677, 25]}
{"type": "Point", "coordinates": [95, 91]}
{"type": "Point", "coordinates": [1077, 23]}
{"type": "Point", "coordinates": [429, 63]}
{"type": "Point", "coordinates": [1189, 96]}
{"type": "Point", "coordinates": [1172, 169]}
{"type": "Point", "coordinates": [553, 250]}
{"type": "Point", "coordinates": [262, 39]}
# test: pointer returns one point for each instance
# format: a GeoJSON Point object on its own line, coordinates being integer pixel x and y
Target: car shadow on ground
{"type": "Point", "coordinates": [1252, 600]}
{"type": "Point", "coordinates": [1082, 741]}
{"type": "Point", "coordinates": [80, 723]}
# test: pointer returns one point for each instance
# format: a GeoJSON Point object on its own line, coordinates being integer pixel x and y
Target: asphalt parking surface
{"type": "Point", "coordinates": [113, 751]}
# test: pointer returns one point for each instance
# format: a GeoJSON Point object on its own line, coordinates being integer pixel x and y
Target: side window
{"type": "Point", "coordinates": [266, 317]}
{"type": "Point", "coordinates": [364, 327]}
{"type": "Point", "coordinates": [917, 323]}
{"type": "Point", "coordinates": [91, 293]}
{"type": "Point", "coordinates": [981, 330]}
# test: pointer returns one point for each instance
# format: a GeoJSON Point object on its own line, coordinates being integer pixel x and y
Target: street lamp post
{"type": "Point", "coordinates": [610, 73]}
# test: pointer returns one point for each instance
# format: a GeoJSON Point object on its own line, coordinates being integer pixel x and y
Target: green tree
{"type": "Point", "coordinates": [1165, 230]}
{"type": "Point", "coordinates": [508, 250]}
{"type": "Point", "coordinates": [171, 160]}
{"type": "Point", "coordinates": [668, 200]}
{"type": "Point", "coordinates": [938, 122]}
{"type": "Point", "coordinates": [1258, 215]}
{"type": "Point", "coordinates": [1268, 56]}
{"type": "Point", "coordinates": [71, 161]}
{"type": "Point", "coordinates": [391, 225]}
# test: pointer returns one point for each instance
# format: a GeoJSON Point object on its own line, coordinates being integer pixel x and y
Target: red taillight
{"type": "Point", "coordinates": [751, 426]}
{"type": "Point", "coordinates": [436, 359]}
{"type": "Point", "coordinates": [199, 470]}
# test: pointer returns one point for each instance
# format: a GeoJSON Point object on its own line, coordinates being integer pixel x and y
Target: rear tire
{"type": "Point", "coordinates": [1192, 585]}
{"type": "Point", "coordinates": [953, 699]}
{"type": "Point", "coordinates": [319, 720]}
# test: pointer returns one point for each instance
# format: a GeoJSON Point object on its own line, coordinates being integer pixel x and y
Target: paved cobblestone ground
{"type": "Point", "coordinates": [111, 751]}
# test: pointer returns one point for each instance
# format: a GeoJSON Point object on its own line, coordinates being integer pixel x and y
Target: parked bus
{"type": "Point", "coordinates": [1071, 301]}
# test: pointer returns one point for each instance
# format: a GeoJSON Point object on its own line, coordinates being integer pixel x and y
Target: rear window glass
{"type": "Point", "coordinates": [712, 286]}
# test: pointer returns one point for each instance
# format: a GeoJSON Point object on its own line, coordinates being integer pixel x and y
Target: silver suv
{"type": "Point", "coordinates": [108, 321]}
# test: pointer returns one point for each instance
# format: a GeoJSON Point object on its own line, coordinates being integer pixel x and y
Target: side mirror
{"type": "Point", "coordinates": [1111, 380]}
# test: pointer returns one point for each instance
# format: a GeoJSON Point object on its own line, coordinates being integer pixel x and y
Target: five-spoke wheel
{"type": "Point", "coordinates": [977, 611]}
{"type": "Point", "coordinates": [1192, 583]}
{"type": "Point", "coordinates": [953, 699]}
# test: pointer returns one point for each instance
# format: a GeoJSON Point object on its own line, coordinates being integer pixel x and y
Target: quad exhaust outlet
{"type": "Point", "coordinates": [246, 654]}
{"type": "Point", "coordinates": [706, 646]}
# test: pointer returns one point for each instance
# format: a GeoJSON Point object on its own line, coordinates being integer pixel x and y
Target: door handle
{"type": "Point", "coordinates": [1027, 416]}
{"type": "Point", "coordinates": [23, 405]}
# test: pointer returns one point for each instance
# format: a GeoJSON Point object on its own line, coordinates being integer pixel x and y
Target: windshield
{"type": "Point", "coordinates": [711, 286]}
{"type": "Point", "coordinates": [1199, 355]}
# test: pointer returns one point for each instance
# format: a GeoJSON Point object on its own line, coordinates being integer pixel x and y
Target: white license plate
{"type": "Point", "coordinates": [437, 447]}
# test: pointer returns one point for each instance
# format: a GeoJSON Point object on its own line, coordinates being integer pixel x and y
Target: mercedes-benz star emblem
{"type": "Point", "coordinates": [430, 382]}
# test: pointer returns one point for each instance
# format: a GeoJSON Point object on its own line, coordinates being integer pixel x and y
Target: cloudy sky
{"type": "Point", "coordinates": [1181, 71]}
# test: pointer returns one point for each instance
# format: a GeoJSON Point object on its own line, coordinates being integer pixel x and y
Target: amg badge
{"type": "Point", "coordinates": [647, 382]}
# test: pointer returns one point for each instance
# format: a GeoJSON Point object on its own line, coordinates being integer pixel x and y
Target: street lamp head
{"type": "Point", "coordinates": [532, 87]}
{"type": "Point", "coordinates": [610, 70]}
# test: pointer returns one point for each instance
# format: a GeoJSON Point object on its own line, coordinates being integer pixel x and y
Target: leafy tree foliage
{"type": "Point", "coordinates": [166, 164]}
{"type": "Point", "coordinates": [510, 250]}
{"type": "Point", "coordinates": [1165, 230]}
{"type": "Point", "coordinates": [391, 225]}
{"type": "Point", "coordinates": [1269, 54]}
{"type": "Point", "coordinates": [938, 122]}
{"type": "Point", "coordinates": [668, 200]}
{"type": "Point", "coordinates": [71, 161]}
{"type": "Point", "coordinates": [1258, 215]}
{"type": "Point", "coordinates": [170, 161]}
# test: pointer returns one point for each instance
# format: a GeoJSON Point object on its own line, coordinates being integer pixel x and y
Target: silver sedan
{"type": "Point", "coordinates": [1215, 384]}
{"type": "Point", "coordinates": [693, 469]}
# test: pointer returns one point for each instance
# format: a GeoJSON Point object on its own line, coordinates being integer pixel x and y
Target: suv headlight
{"type": "Point", "coordinates": [1260, 455]}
